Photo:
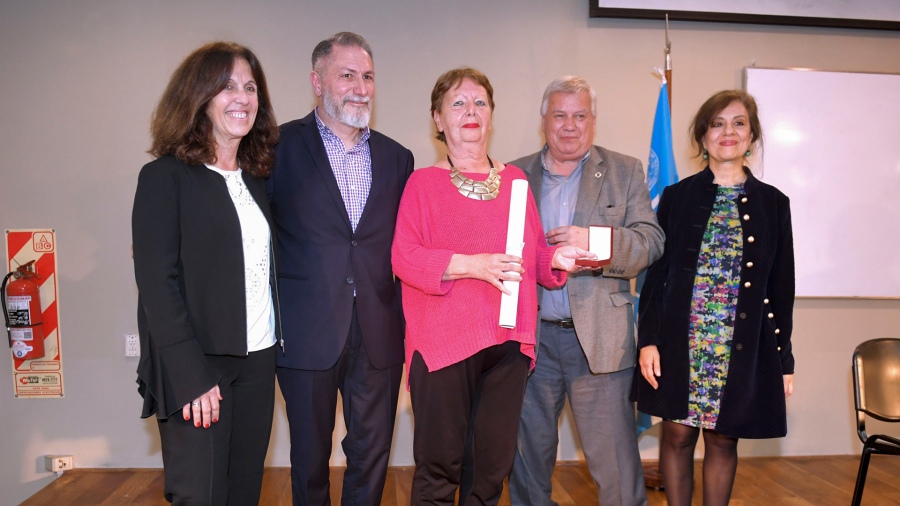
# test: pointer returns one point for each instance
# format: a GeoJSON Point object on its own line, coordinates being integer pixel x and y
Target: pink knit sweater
{"type": "Point", "coordinates": [449, 321]}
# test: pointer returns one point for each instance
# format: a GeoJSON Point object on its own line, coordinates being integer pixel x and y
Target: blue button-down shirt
{"type": "Point", "coordinates": [559, 194]}
{"type": "Point", "coordinates": [352, 169]}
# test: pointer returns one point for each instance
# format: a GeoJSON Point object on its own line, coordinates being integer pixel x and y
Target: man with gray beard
{"type": "Point", "coordinates": [334, 195]}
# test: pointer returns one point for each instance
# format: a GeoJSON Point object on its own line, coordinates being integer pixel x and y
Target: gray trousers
{"type": "Point", "coordinates": [604, 418]}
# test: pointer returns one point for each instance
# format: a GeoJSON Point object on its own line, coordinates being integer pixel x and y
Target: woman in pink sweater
{"type": "Point", "coordinates": [466, 373]}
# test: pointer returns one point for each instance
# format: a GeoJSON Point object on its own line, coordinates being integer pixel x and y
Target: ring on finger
{"type": "Point", "coordinates": [195, 404]}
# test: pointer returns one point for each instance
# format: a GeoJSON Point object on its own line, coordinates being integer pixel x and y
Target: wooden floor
{"type": "Point", "coordinates": [790, 481]}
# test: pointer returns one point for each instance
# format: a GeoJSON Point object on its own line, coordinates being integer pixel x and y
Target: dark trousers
{"type": "Point", "coordinates": [224, 463]}
{"type": "Point", "coordinates": [370, 405]}
{"type": "Point", "coordinates": [466, 421]}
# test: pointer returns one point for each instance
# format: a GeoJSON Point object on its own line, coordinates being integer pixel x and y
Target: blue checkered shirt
{"type": "Point", "coordinates": [352, 169]}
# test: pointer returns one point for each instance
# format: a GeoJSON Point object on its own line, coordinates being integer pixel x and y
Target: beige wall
{"type": "Point", "coordinates": [79, 80]}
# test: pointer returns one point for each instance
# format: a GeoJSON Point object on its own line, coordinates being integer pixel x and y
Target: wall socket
{"type": "Point", "coordinates": [132, 346]}
{"type": "Point", "coordinates": [59, 463]}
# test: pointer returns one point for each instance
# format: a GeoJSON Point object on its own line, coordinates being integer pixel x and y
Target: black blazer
{"type": "Point", "coordinates": [321, 259]}
{"type": "Point", "coordinates": [753, 403]}
{"type": "Point", "coordinates": [189, 269]}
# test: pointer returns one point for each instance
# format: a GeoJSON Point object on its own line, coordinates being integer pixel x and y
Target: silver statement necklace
{"type": "Point", "coordinates": [477, 190]}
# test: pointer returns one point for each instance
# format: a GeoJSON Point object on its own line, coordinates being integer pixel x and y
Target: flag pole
{"type": "Point", "coordinates": [668, 66]}
{"type": "Point", "coordinates": [661, 172]}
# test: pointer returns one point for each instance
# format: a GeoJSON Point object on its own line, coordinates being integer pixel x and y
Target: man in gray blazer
{"type": "Point", "coordinates": [586, 347]}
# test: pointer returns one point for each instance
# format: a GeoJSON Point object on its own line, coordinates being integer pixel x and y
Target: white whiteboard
{"type": "Point", "coordinates": [832, 144]}
{"type": "Point", "coordinates": [843, 9]}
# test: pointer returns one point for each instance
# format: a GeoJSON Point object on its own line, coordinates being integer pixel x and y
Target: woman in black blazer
{"type": "Point", "coordinates": [716, 310]}
{"type": "Point", "coordinates": [205, 271]}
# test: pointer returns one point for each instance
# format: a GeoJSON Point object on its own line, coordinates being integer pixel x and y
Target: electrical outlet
{"type": "Point", "coordinates": [132, 346]}
{"type": "Point", "coordinates": [59, 463]}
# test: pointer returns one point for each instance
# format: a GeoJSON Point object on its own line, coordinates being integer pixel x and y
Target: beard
{"type": "Point", "coordinates": [354, 117]}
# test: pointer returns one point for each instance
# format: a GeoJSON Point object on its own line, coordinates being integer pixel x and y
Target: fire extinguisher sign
{"type": "Point", "coordinates": [36, 375]}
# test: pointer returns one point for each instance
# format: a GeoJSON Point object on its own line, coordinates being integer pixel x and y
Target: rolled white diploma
{"type": "Point", "coordinates": [515, 234]}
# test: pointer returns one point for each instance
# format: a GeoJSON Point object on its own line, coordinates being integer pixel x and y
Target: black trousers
{"type": "Point", "coordinates": [369, 398]}
{"type": "Point", "coordinates": [466, 423]}
{"type": "Point", "coordinates": [224, 463]}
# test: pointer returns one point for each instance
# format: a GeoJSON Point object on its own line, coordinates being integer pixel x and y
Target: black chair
{"type": "Point", "coordinates": [876, 392]}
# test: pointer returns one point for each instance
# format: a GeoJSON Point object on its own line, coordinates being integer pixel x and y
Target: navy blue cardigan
{"type": "Point", "coordinates": [753, 402]}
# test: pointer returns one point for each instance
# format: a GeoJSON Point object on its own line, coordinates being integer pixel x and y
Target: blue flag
{"type": "Point", "coordinates": [661, 172]}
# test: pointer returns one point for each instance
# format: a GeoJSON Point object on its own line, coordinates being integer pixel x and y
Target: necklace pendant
{"type": "Point", "coordinates": [477, 190]}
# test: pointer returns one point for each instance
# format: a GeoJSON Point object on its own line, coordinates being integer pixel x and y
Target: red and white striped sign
{"type": "Point", "coordinates": [40, 377]}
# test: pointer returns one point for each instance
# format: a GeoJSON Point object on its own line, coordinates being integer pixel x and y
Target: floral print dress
{"type": "Point", "coordinates": [713, 308]}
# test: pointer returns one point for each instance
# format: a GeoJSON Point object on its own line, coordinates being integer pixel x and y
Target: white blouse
{"type": "Point", "coordinates": [256, 239]}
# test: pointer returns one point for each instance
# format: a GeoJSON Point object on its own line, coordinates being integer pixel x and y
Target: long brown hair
{"type": "Point", "coordinates": [180, 126]}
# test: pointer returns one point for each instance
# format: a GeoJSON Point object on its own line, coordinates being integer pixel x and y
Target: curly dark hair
{"type": "Point", "coordinates": [180, 126]}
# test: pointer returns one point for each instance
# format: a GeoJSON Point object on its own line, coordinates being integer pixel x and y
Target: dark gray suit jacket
{"type": "Point", "coordinates": [611, 192]}
{"type": "Point", "coordinates": [321, 260]}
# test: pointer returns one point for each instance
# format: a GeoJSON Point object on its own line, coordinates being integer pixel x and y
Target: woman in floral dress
{"type": "Point", "coordinates": [716, 309]}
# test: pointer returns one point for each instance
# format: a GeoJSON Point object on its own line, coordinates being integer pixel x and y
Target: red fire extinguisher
{"type": "Point", "coordinates": [21, 301]}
